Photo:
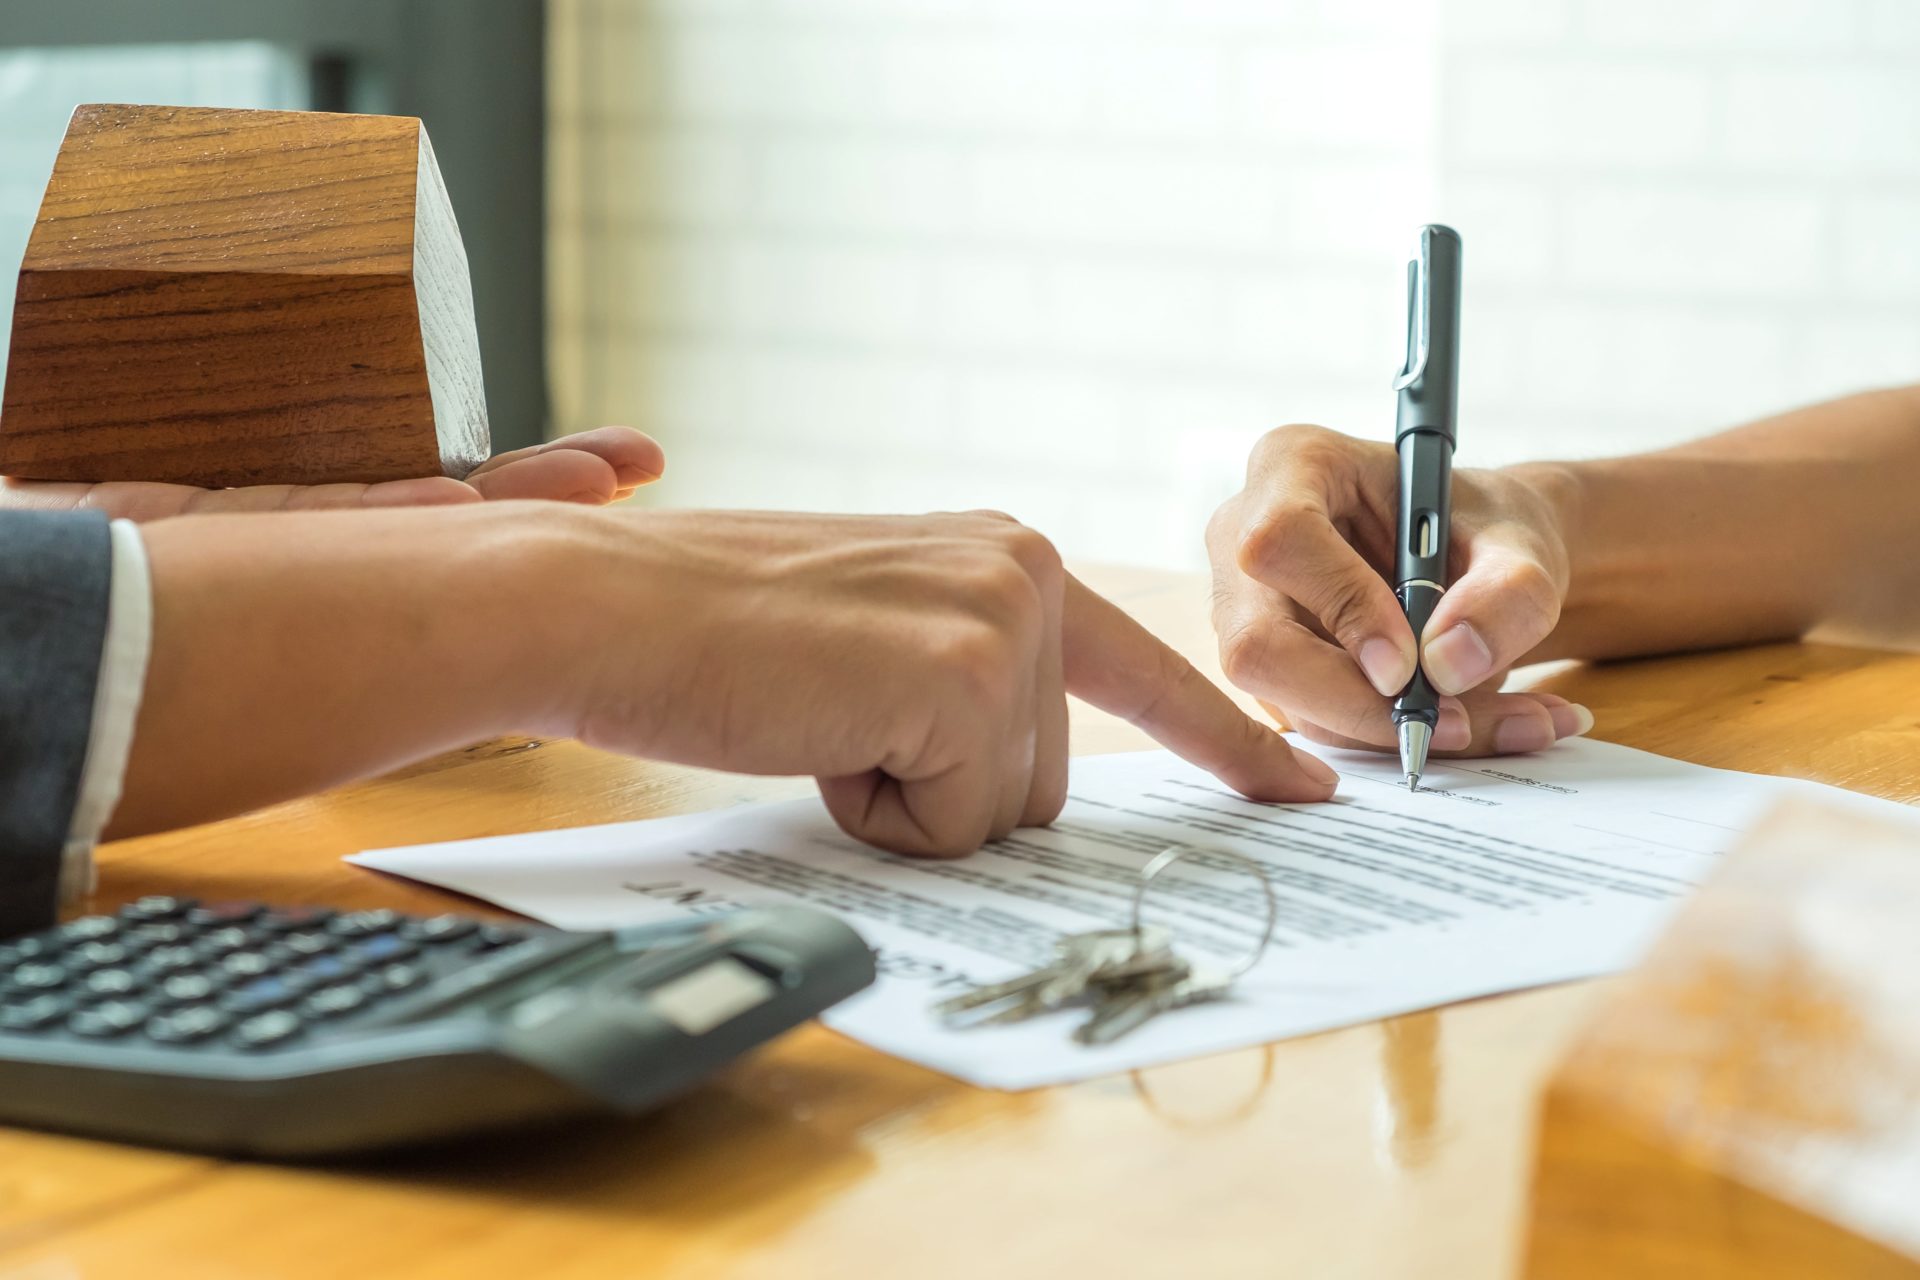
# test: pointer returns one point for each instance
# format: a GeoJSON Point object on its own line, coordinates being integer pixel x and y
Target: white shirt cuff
{"type": "Point", "coordinates": [116, 703]}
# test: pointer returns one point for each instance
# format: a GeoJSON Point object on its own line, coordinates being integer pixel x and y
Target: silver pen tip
{"type": "Point", "coordinates": [1415, 736]}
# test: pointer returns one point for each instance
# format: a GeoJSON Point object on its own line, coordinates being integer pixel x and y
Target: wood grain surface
{"type": "Point", "coordinates": [1747, 1102]}
{"type": "Point", "coordinates": [221, 297]}
{"type": "Point", "coordinates": [1398, 1149]}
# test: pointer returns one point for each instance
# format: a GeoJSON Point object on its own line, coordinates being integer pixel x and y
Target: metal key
{"type": "Point", "coordinates": [1127, 1006]}
{"type": "Point", "coordinates": [1079, 959]}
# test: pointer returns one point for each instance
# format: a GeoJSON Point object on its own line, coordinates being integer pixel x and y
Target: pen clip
{"type": "Point", "coordinates": [1419, 317]}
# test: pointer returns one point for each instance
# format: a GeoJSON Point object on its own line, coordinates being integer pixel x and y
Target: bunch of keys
{"type": "Point", "coordinates": [1126, 976]}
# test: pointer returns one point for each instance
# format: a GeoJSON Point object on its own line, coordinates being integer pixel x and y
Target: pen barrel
{"type": "Point", "coordinates": [1419, 700]}
{"type": "Point", "coordinates": [1424, 437]}
{"type": "Point", "coordinates": [1426, 510]}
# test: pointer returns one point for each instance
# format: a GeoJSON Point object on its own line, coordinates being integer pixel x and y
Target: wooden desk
{"type": "Point", "coordinates": [1396, 1149]}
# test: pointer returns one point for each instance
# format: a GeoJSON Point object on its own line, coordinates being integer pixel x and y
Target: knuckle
{"type": "Point", "coordinates": [1320, 453]}
{"type": "Point", "coordinates": [988, 513]}
{"type": "Point", "coordinates": [1044, 806]}
{"type": "Point", "coordinates": [1016, 552]}
{"type": "Point", "coordinates": [1256, 651]}
{"type": "Point", "coordinates": [1285, 441]}
{"type": "Point", "coordinates": [1173, 680]}
{"type": "Point", "coordinates": [1247, 656]}
{"type": "Point", "coordinates": [981, 658]}
{"type": "Point", "coordinates": [1342, 604]}
{"type": "Point", "coordinates": [997, 587]}
{"type": "Point", "coordinates": [1181, 681]}
{"type": "Point", "coordinates": [1264, 543]}
{"type": "Point", "coordinates": [1032, 550]}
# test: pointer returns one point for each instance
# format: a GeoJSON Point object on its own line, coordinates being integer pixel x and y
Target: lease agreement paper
{"type": "Point", "coordinates": [1498, 875]}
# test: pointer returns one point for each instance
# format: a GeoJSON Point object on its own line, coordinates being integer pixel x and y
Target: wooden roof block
{"type": "Point", "coordinates": [222, 297]}
{"type": "Point", "coordinates": [1747, 1102]}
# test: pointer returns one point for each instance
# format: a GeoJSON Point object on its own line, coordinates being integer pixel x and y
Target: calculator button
{"type": "Point", "coordinates": [110, 983]}
{"type": "Point", "coordinates": [307, 942]}
{"type": "Point", "coordinates": [157, 933]}
{"type": "Point", "coordinates": [92, 955]}
{"type": "Point", "coordinates": [382, 948]}
{"type": "Point", "coordinates": [258, 995]}
{"type": "Point", "coordinates": [38, 947]}
{"type": "Point", "coordinates": [165, 960]}
{"type": "Point", "coordinates": [437, 929]}
{"type": "Point", "coordinates": [331, 1002]}
{"type": "Point", "coordinates": [288, 919]}
{"type": "Point", "coordinates": [157, 907]}
{"type": "Point", "coordinates": [247, 964]}
{"type": "Point", "coordinates": [185, 1026]}
{"type": "Point", "coordinates": [219, 942]}
{"type": "Point", "coordinates": [89, 928]}
{"type": "Point", "coordinates": [267, 1030]}
{"type": "Point", "coordinates": [360, 924]}
{"type": "Point", "coordinates": [319, 970]}
{"type": "Point", "coordinates": [189, 988]}
{"type": "Point", "coordinates": [32, 1015]}
{"type": "Point", "coordinates": [499, 935]}
{"type": "Point", "coordinates": [37, 975]}
{"type": "Point", "coordinates": [214, 915]}
{"type": "Point", "coordinates": [393, 979]}
{"type": "Point", "coordinates": [113, 1018]}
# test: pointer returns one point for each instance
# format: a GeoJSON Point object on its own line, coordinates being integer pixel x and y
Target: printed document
{"type": "Point", "coordinates": [1496, 875]}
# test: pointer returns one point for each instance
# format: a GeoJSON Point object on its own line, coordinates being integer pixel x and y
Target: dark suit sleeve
{"type": "Point", "coordinates": [54, 578]}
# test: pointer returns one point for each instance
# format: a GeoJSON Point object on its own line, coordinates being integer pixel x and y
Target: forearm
{"type": "Point", "coordinates": [1764, 532]}
{"type": "Point", "coordinates": [295, 652]}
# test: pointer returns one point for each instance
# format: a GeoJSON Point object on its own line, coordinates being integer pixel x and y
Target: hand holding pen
{"type": "Point", "coordinates": [1305, 561]}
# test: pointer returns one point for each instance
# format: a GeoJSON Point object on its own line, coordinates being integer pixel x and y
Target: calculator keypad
{"type": "Point", "coordinates": [178, 973]}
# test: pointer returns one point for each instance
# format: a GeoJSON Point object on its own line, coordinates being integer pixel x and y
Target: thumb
{"type": "Point", "coordinates": [1503, 605]}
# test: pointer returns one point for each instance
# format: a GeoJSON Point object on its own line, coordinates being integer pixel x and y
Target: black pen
{"type": "Point", "coordinates": [1423, 436]}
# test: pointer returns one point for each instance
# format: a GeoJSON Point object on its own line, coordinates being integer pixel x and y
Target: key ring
{"type": "Point", "coordinates": [1172, 854]}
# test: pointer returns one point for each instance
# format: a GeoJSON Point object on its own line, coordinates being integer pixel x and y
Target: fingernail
{"type": "Point", "coordinates": [1453, 733]}
{"type": "Point", "coordinates": [1458, 659]}
{"type": "Point", "coordinates": [1316, 768]}
{"type": "Point", "coordinates": [1570, 720]}
{"type": "Point", "coordinates": [1517, 735]}
{"type": "Point", "coordinates": [1387, 665]}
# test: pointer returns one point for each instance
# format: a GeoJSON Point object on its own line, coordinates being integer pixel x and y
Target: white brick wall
{"type": "Point", "coordinates": [1068, 257]}
{"type": "Point", "coordinates": [1721, 220]}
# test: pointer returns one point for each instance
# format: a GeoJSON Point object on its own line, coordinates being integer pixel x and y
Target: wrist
{"type": "Point", "coordinates": [1558, 492]}
{"type": "Point", "coordinates": [528, 610]}
{"type": "Point", "coordinates": [1559, 496]}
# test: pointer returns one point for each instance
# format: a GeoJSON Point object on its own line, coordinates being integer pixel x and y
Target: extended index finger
{"type": "Point", "coordinates": [1119, 666]}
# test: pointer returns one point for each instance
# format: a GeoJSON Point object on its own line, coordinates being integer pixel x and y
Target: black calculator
{"type": "Point", "coordinates": [299, 1031]}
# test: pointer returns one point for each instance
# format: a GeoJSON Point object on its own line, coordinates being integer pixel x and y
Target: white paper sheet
{"type": "Point", "coordinates": [1504, 874]}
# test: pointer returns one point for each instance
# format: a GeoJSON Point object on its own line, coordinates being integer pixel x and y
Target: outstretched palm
{"type": "Point", "coordinates": [594, 467]}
